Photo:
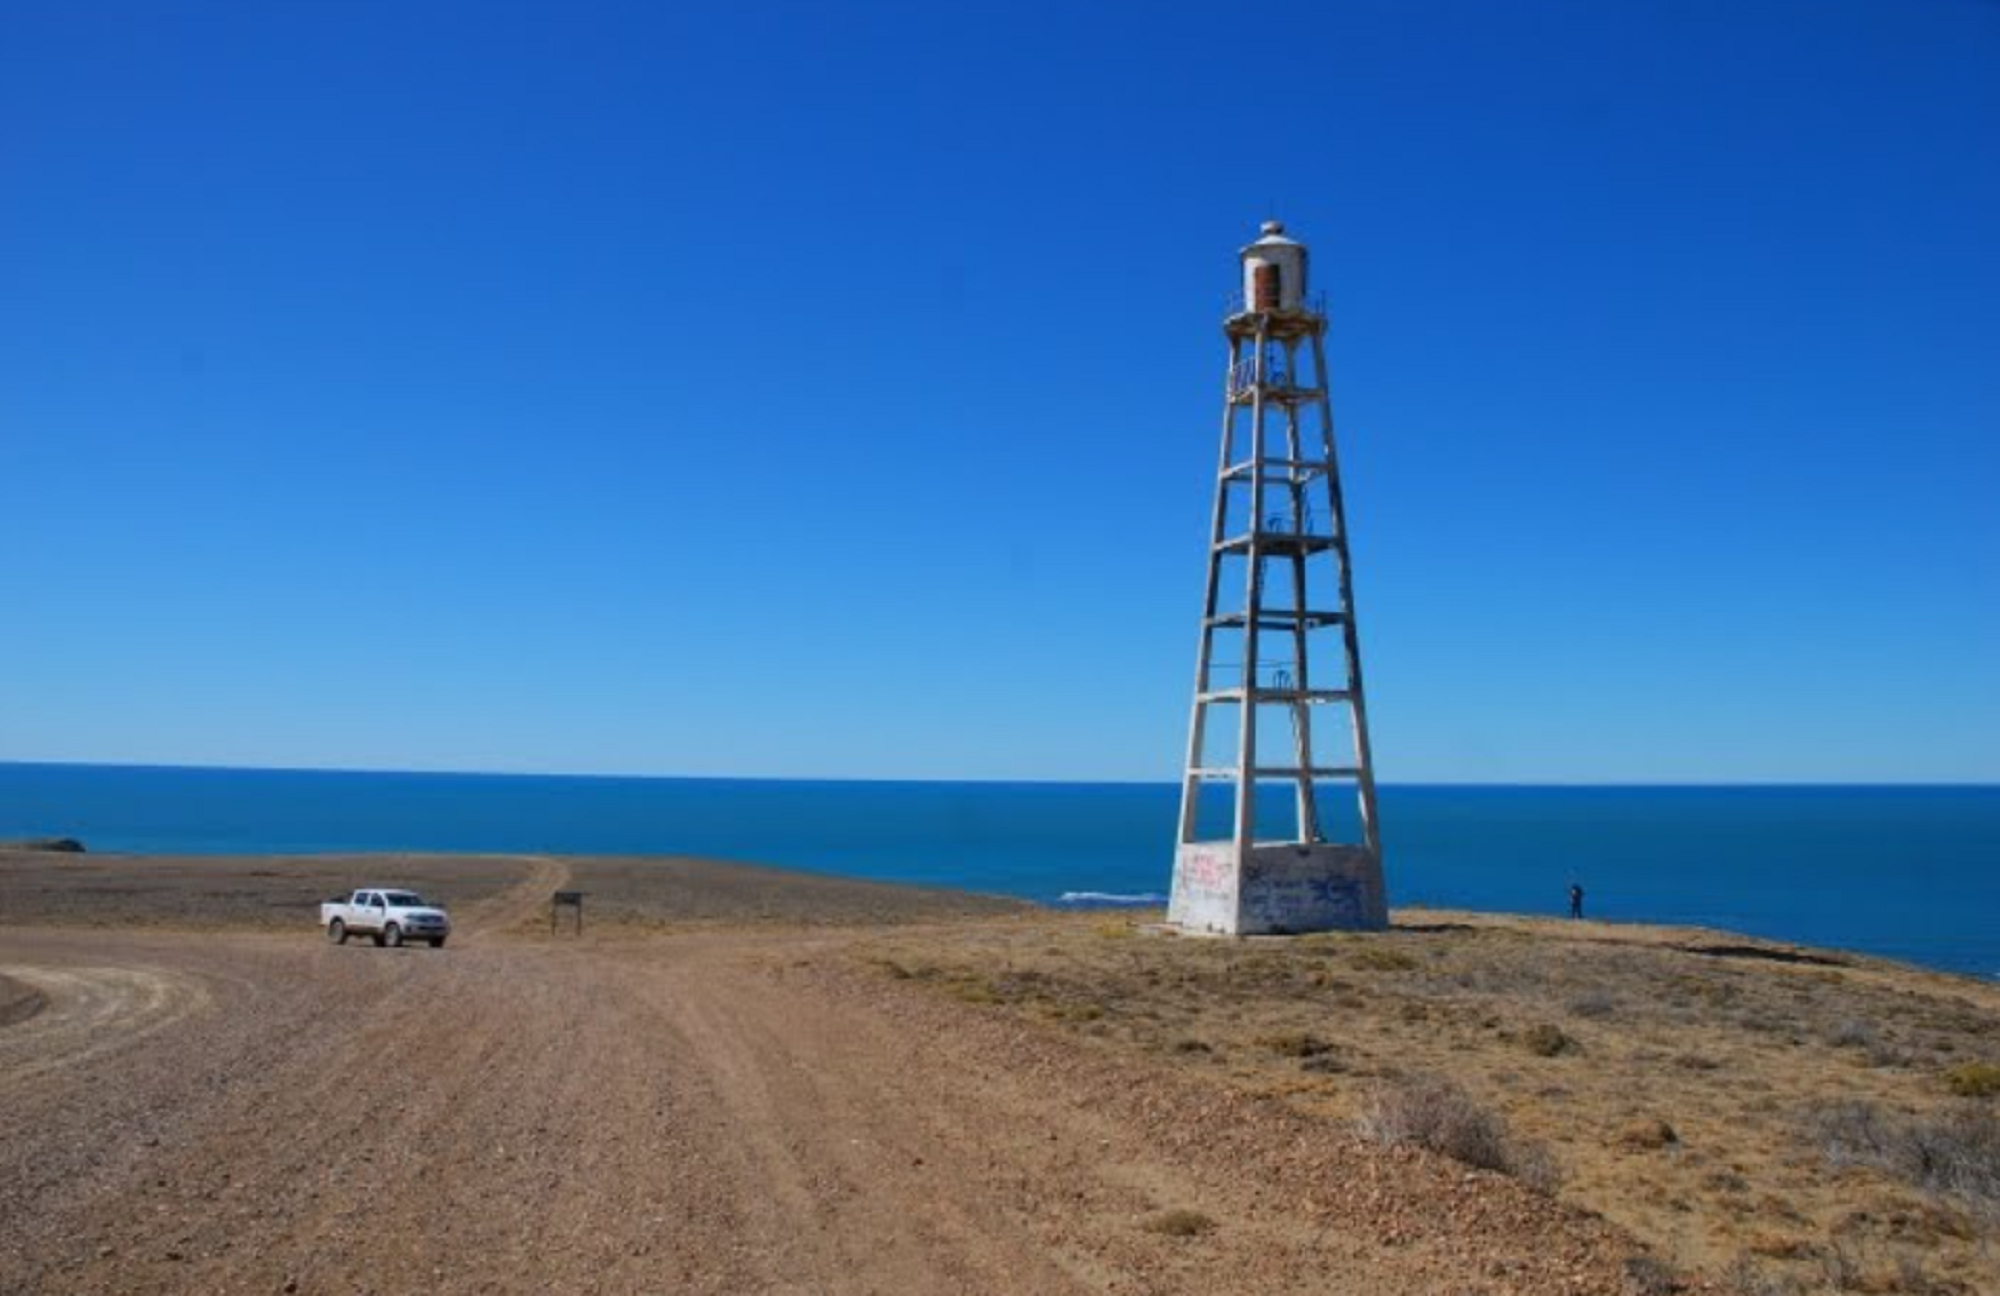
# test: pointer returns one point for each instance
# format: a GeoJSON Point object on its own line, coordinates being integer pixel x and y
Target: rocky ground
{"type": "Point", "coordinates": [755, 1108]}
{"type": "Point", "coordinates": [635, 894]}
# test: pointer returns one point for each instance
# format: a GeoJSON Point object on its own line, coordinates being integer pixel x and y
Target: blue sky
{"type": "Point", "coordinates": [832, 390]}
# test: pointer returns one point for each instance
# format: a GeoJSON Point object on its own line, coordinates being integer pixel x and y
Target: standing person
{"type": "Point", "coordinates": [1575, 900]}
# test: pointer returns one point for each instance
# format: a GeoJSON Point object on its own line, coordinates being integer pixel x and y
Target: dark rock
{"type": "Point", "coordinates": [60, 845]}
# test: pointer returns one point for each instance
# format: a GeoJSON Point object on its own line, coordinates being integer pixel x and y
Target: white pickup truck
{"type": "Point", "coordinates": [388, 915]}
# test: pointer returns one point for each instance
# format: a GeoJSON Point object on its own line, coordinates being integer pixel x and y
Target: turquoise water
{"type": "Point", "coordinates": [1909, 872]}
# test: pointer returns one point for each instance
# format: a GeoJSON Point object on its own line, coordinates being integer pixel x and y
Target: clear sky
{"type": "Point", "coordinates": [833, 390]}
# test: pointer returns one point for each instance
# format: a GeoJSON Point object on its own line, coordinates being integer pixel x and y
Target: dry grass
{"type": "Point", "coordinates": [645, 893]}
{"type": "Point", "coordinates": [1668, 1079]}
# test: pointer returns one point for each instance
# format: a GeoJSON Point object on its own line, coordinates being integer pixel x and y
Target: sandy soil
{"type": "Point", "coordinates": [701, 1110]}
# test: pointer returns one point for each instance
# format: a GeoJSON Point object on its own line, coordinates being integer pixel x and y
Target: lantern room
{"type": "Point", "coordinates": [1274, 271]}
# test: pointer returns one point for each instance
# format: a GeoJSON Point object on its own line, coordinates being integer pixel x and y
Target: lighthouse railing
{"type": "Point", "coordinates": [1237, 303]}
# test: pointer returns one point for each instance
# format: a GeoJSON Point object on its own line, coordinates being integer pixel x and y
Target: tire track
{"type": "Point", "coordinates": [89, 1012]}
{"type": "Point", "coordinates": [524, 900]}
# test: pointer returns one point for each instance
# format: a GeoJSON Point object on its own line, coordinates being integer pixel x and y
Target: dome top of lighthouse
{"type": "Point", "coordinates": [1272, 235]}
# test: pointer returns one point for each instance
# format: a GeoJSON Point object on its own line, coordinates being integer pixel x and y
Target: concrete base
{"type": "Point", "coordinates": [1279, 889]}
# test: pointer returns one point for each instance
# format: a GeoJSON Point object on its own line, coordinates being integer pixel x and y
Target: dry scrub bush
{"type": "Point", "coordinates": [1912, 1277]}
{"type": "Point", "coordinates": [1375, 958]}
{"type": "Point", "coordinates": [1593, 1003]}
{"type": "Point", "coordinates": [1843, 1267]}
{"type": "Point", "coordinates": [1973, 1079]}
{"type": "Point", "coordinates": [1954, 1153]}
{"type": "Point", "coordinates": [1840, 1269]}
{"type": "Point", "coordinates": [1179, 1223]}
{"type": "Point", "coordinates": [1433, 1113]}
{"type": "Point", "coordinates": [1296, 1044]}
{"type": "Point", "coordinates": [1647, 1276]}
{"type": "Point", "coordinates": [973, 989]}
{"type": "Point", "coordinates": [1647, 1135]}
{"type": "Point", "coordinates": [1752, 1279]}
{"type": "Point", "coordinates": [1545, 1040]}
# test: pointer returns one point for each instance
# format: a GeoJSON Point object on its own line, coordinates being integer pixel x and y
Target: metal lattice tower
{"type": "Point", "coordinates": [1280, 600]}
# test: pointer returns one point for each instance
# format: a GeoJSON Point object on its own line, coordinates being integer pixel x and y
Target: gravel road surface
{"type": "Point", "coordinates": [699, 1112]}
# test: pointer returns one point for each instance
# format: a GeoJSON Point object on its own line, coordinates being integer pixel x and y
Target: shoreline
{"type": "Point", "coordinates": [760, 892]}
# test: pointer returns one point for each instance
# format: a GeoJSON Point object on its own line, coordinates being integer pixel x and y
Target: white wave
{"type": "Point", "coordinates": [1112, 897]}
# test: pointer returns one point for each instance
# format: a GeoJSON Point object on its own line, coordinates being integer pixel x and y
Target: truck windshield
{"type": "Point", "coordinates": [404, 899]}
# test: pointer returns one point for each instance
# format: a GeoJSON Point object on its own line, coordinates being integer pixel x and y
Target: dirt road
{"type": "Point", "coordinates": [707, 1112]}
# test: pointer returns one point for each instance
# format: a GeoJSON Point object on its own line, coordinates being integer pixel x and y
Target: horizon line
{"type": "Point", "coordinates": [226, 768]}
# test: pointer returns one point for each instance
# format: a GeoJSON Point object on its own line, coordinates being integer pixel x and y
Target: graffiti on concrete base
{"type": "Point", "coordinates": [1205, 887]}
{"type": "Point", "coordinates": [1209, 869]}
{"type": "Point", "coordinates": [1303, 903]}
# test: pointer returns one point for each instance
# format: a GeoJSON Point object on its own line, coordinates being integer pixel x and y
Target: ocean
{"type": "Point", "coordinates": [1908, 872]}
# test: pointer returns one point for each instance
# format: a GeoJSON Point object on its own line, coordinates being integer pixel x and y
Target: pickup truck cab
{"type": "Point", "coordinates": [389, 915]}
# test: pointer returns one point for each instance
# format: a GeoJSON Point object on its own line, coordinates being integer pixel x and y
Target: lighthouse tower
{"type": "Point", "coordinates": [1277, 826]}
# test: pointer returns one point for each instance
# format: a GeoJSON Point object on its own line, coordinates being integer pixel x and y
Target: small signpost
{"type": "Point", "coordinates": [574, 899]}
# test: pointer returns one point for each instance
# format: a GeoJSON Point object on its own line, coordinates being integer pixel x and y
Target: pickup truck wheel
{"type": "Point", "coordinates": [437, 942]}
{"type": "Point", "coordinates": [336, 931]}
{"type": "Point", "coordinates": [392, 936]}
